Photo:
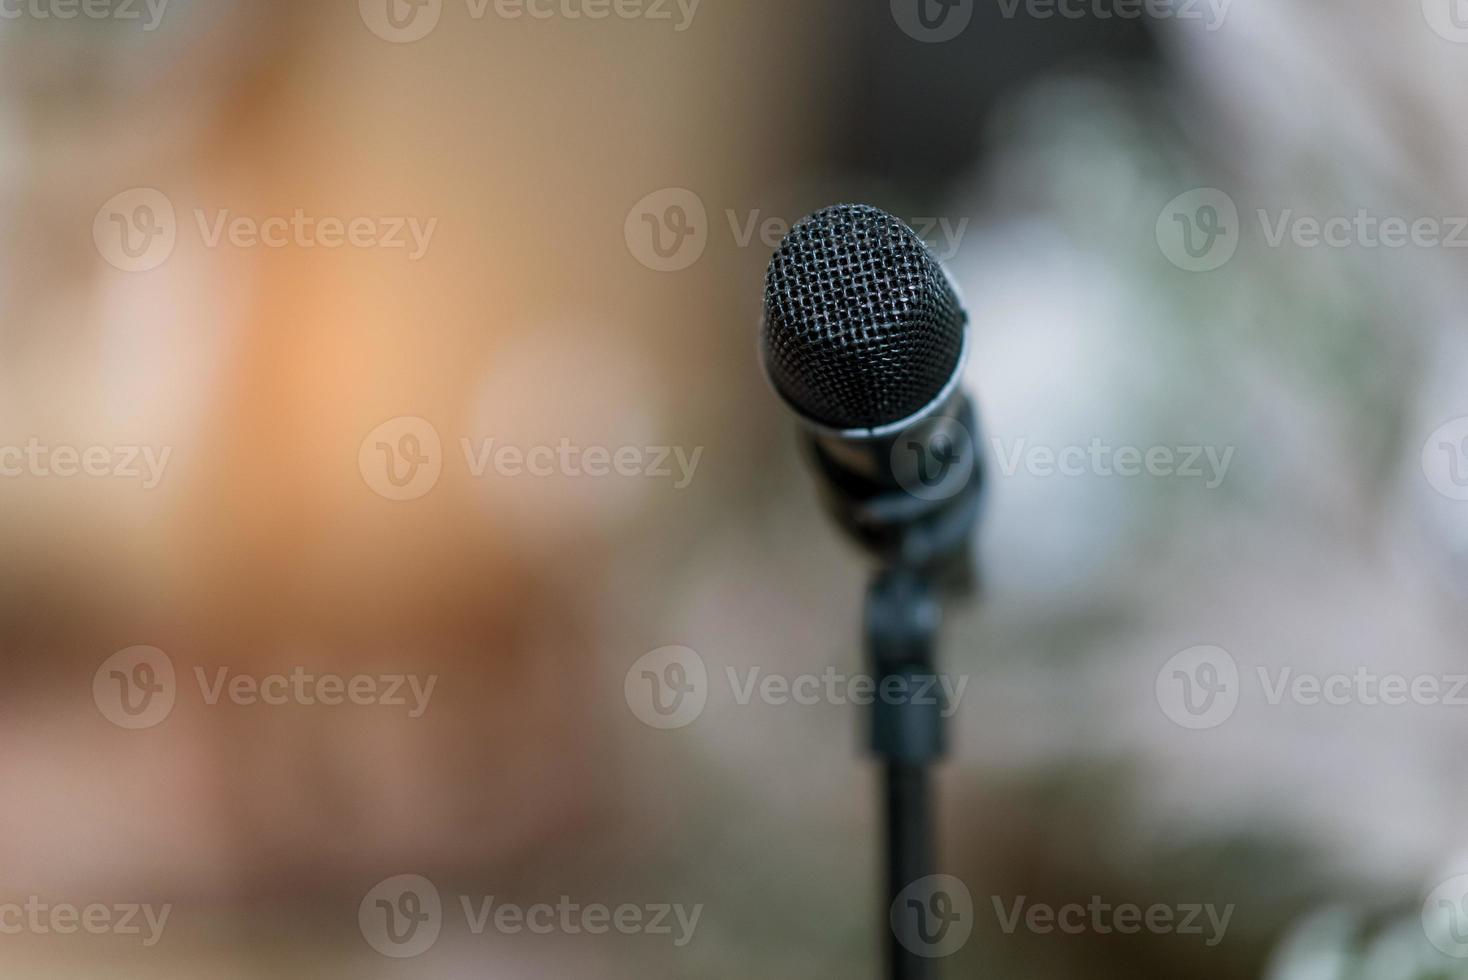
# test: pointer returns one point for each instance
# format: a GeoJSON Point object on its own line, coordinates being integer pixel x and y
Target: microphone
{"type": "Point", "coordinates": [865, 338]}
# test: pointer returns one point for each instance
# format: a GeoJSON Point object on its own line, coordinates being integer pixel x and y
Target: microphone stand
{"type": "Point", "coordinates": [924, 548]}
{"type": "Point", "coordinates": [902, 618]}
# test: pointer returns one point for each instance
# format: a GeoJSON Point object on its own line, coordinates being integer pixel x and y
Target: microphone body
{"type": "Point", "coordinates": [865, 339]}
{"type": "Point", "coordinates": [910, 499]}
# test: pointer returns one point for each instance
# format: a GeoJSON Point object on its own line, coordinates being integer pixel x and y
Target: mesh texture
{"type": "Point", "coordinates": [862, 328]}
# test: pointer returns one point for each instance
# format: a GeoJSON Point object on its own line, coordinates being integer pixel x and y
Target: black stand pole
{"type": "Point", "coordinates": [907, 735]}
{"type": "Point", "coordinates": [923, 544]}
{"type": "Point", "coordinates": [909, 857]}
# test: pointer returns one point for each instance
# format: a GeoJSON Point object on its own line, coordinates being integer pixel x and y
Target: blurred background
{"type": "Point", "coordinates": [281, 282]}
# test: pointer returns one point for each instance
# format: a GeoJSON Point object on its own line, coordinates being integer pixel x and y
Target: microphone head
{"type": "Point", "coordinates": [862, 328]}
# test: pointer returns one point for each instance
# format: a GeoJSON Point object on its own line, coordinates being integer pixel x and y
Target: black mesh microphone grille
{"type": "Point", "coordinates": [862, 328]}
